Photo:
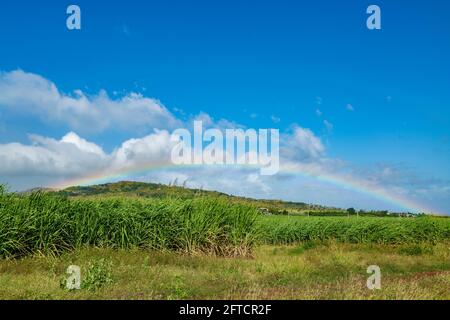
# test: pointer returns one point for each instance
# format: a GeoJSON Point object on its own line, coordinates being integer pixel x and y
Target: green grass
{"type": "Point", "coordinates": [323, 270]}
{"type": "Point", "coordinates": [49, 224]}
{"type": "Point", "coordinates": [286, 230]}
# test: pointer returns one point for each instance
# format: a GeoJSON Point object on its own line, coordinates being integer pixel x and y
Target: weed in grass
{"type": "Point", "coordinates": [178, 289]}
{"type": "Point", "coordinates": [146, 262]}
{"type": "Point", "coordinates": [98, 275]}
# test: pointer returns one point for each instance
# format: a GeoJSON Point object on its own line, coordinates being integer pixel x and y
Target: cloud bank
{"type": "Point", "coordinates": [48, 161]}
{"type": "Point", "coordinates": [27, 93]}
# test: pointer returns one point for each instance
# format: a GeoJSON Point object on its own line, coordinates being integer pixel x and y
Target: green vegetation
{"type": "Point", "coordinates": [98, 275]}
{"type": "Point", "coordinates": [131, 189]}
{"type": "Point", "coordinates": [286, 230]}
{"type": "Point", "coordinates": [52, 223]}
{"type": "Point", "coordinates": [140, 241]}
{"type": "Point", "coordinates": [323, 270]}
{"type": "Point", "coordinates": [43, 222]}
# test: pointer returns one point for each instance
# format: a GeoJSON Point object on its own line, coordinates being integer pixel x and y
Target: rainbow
{"type": "Point", "coordinates": [342, 181]}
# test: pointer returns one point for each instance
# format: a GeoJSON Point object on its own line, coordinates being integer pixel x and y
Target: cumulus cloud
{"type": "Point", "coordinates": [74, 156]}
{"type": "Point", "coordinates": [47, 162]}
{"type": "Point", "coordinates": [302, 145]}
{"type": "Point", "coordinates": [71, 155]}
{"type": "Point", "coordinates": [27, 93]}
{"type": "Point", "coordinates": [152, 149]}
{"type": "Point", "coordinates": [50, 162]}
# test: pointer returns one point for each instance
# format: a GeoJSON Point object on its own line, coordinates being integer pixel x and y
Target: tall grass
{"type": "Point", "coordinates": [46, 223]}
{"type": "Point", "coordinates": [50, 224]}
{"type": "Point", "coordinates": [284, 230]}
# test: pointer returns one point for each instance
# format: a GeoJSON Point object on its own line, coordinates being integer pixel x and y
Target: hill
{"type": "Point", "coordinates": [155, 190]}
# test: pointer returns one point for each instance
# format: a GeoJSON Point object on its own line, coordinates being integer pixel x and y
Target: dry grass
{"type": "Point", "coordinates": [308, 271]}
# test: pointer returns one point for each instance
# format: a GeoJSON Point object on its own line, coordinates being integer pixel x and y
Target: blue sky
{"type": "Point", "coordinates": [260, 64]}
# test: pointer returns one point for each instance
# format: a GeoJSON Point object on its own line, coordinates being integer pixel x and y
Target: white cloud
{"type": "Point", "coordinates": [50, 162]}
{"type": "Point", "coordinates": [74, 157]}
{"type": "Point", "coordinates": [27, 93]}
{"type": "Point", "coordinates": [47, 161]}
{"type": "Point", "coordinates": [255, 179]}
{"type": "Point", "coordinates": [152, 149]}
{"type": "Point", "coordinates": [81, 144]}
{"type": "Point", "coordinates": [209, 122]}
{"type": "Point", "coordinates": [301, 145]}
{"type": "Point", "coordinates": [45, 156]}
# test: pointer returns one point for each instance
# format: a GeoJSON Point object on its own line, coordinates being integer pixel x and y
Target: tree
{"type": "Point", "coordinates": [351, 211]}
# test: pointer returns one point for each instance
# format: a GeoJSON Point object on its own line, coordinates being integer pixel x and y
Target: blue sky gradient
{"type": "Point", "coordinates": [260, 64]}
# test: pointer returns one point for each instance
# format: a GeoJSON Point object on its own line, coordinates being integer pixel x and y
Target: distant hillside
{"type": "Point", "coordinates": [154, 190]}
{"type": "Point", "coordinates": [29, 191]}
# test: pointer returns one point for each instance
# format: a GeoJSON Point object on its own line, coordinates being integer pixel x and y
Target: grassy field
{"type": "Point", "coordinates": [310, 270]}
{"type": "Point", "coordinates": [208, 247]}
